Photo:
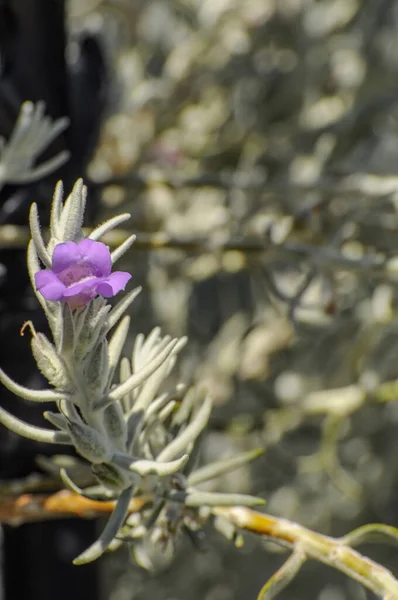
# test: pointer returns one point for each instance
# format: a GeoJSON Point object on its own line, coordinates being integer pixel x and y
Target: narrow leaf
{"type": "Point", "coordinates": [29, 394]}
{"type": "Point", "coordinates": [189, 434]}
{"type": "Point", "coordinates": [284, 575]}
{"type": "Point", "coordinates": [138, 378]}
{"type": "Point", "coordinates": [115, 522]}
{"type": "Point", "coordinates": [123, 304]}
{"type": "Point", "coordinates": [98, 232]}
{"type": "Point", "coordinates": [39, 434]}
{"type": "Point", "coordinates": [122, 249]}
{"type": "Point", "coordinates": [146, 467]}
{"type": "Point", "coordinates": [37, 237]}
{"type": "Point", "coordinates": [116, 344]}
{"type": "Point", "coordinates": [223, 466]}
{"type": "Point", "coordinates": [197, 498]}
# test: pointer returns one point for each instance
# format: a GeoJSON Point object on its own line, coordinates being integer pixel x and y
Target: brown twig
{"type": "Point", "coordinates": [62, 504]}
{"type": "Point", "coordinates": [334, 552]}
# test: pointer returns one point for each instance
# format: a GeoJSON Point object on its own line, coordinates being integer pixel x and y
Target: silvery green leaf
{"type": "Point", "coordinates": [196, 498]}
{"type": "Point", "coordinates": [56, 210]}
{"type": "Point", "coordinates": [146, 467]}
{"type": "Point", "coordinates": [37, 237]}
{"type": "Point", "coordinates": [188, 435]}
{"type": "Point", "coordinates": [29, 394]}
{"type": "Point", "coordinates": [56, 419]}
{"type": "Point", "coordinates": [52, 464]}
{"type": "Point", "coordinates": [69, 484]}
{"type": "Point", "coordinates": [68, 407]}
{"type": "Point", "coordinates": [120, 308]}
{"type": "Point", "coordinates": [79, 469]}
{"type": "Point", "coordinates": [115, 425]}
{"type": "Point", "coordinates": [141, 556]}
{"type": "Point", "coordinates": [151, 387]}
{"type": "Point", "coordinates": [147, 439]}
{"type": "Point", "coordinates": [226, 528]}
{"type": "Point", "coordinates": [49, 362]}
{"type": "Point", "coordinates": [134, 522]}
{"type": "Point", "coordinates": [57, 328]}
{"type": "Point", "coordinates": [93, 328]}
{"type": "Point", "coordinates": [138, 378]}
{"type": "Point", "coordinates": [113, 478]}
{"type": "Point", "coordinates": [115, 346]}
{"type": "Point", "coordinates": [98, 232]}
{"type": "Point", "coordinates": [71, 220]}
{"type": "Point", "coordinates": [122, 249]}
{"type": "Point", "coordinates": [44, 169]}
{"type": "Point", "coordinates": [84, 327]}
{"type": "Point", "coordinates": [67, 341]}
{"type": "Point", "coordinates": [115, 522]}
{"type": "Point", "coordinates": [223, 466]}
{"type": "Point", "coordinates": [145, 348]}
{"type": "Point", "coordinates": [157, 405]}
{"type": "Point", "coordinates": [89, 443]}
{"type": "Point", "coordinates": [34, 266]}
{"type": "Point", "coordinates": [165, 413]}
{"type": "Point", "coordinates": [139, 344]}
{"type": "Point", "coordinates": [52, 309]}
{"type": "Point", "coordinates": [284, 575]}
{"type": "Point", "coordinates": [96, 369]}
{"type": "Point", "coordinates": [153, 556]}
{"type": "Point", "coordinates": [91, 492]}
{"type": "Point", "coordinates": [182, 415]}
{"type": "Point", "coordinates": [158, 506]}
{"type": "Point", "coordinates": [79, 319]}
{"type": "Point", "coordinates": [194, 454]}
{"type": "Point", "coordinates": [33, 132]}
{"type": "Point", "coordinates": [125, 373]}
{"type": "Point", "coordinates": [115, 544]}
{"type": "Point", "coordinates": [39, 434]}
{"type": "Point", "coordinates": [134, 427]}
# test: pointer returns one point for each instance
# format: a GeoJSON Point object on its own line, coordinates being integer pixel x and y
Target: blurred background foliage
{"type": "Point", "coordinates": [273, 121]}
{"type": "Point", "coordinates": [260, 137]}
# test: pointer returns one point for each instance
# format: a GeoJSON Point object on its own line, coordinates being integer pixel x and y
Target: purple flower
{"type": "Point", "coordinates": [79, 272]}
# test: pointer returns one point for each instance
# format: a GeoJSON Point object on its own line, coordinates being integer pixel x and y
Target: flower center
{"type": "Point", "coordinates": [75, 274]}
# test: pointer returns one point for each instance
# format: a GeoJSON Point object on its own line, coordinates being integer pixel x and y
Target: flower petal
{"type": "Point", "coordinates": [113, 284]}
{"type": "Point", "coordinates": [48, 284]}
{"type": "Point", "coordinates": [87, 285]}
{"type": "Point", "coordinates": [65, 255]}
{"type": "Point", "coordinates": [97, 255]}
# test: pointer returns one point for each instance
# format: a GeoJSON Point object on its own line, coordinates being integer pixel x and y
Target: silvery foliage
{"type": "Point", "coordinates": [141, 441]}
{"type": "Point", "coordinates": [32, 134]}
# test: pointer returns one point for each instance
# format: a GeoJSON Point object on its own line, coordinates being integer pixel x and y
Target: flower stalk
{"type": "Point", "coordinates": [135, 437]}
